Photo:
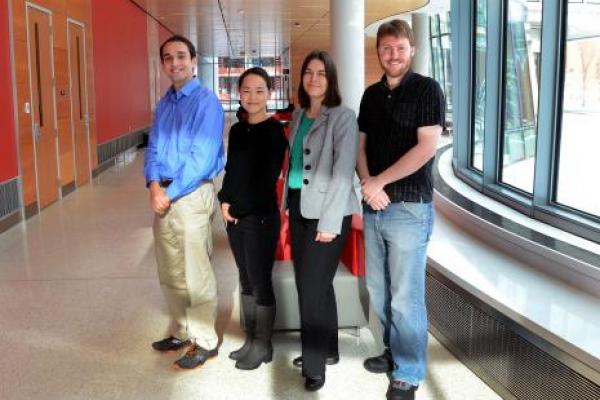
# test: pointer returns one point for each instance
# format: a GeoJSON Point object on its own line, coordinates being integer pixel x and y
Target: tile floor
{"type": "Point", "coordinates": [81, 305]}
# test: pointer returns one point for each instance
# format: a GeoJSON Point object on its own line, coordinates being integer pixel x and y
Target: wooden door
{"type": "Point", "coordinates": [39, 34]}
{"type": "Point", "coordinates": [79, 112]}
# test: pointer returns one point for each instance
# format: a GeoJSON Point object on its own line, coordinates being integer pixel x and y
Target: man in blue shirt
{"type": "Point", "coordinates": [185, 152]}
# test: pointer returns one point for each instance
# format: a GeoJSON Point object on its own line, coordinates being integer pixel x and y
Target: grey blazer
{"type": "Point", "coordinates": [329, 153]}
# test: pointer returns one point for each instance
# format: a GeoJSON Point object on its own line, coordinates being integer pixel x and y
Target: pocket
{"type": "Point", "coordinates": [417, 210]}
{"type": "Point", "coordinates": [206, 193]}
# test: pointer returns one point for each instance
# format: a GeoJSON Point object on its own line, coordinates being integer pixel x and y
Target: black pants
{"type": "Point", "coordinates": [253, 241]}
{"type": "Point", "coordinates": [315, 264]}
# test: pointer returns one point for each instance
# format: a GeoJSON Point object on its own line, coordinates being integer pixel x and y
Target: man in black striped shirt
{"type": "Point", "coordinates": [401, 119]}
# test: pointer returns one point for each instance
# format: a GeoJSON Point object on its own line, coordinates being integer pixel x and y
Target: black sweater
{"type": "Point", "coordinates": [254, 160]}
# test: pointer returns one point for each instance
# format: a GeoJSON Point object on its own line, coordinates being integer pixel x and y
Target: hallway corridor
{"type": "Point", "coordinates": [81, 305]}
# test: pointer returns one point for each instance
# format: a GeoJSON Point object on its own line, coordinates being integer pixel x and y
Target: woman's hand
{"type": "Point", "coordinates": [226, 216]}
{"type": "Point", "coordinates": [325, 237]}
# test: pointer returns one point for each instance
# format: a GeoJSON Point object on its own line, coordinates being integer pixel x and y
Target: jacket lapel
{"type": "Point", "coordinates": [321, 118]}
{"type": "Point", "coordinates": [296, 117]}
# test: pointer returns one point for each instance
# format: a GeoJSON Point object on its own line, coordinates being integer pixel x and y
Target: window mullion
{"type": "Point", "coordinates": [552, 46]}
{"type": "Point", "coordinates": [494, 94]}
{"type": "Point", "coordinates": [462, 50]}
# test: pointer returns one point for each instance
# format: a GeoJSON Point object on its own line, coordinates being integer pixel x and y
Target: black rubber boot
{"type": "Point", "coordinates": [261, 349]}
{"type": "Point", "coordinates": [248, 305]}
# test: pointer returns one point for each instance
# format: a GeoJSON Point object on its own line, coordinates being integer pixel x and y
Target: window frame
{"type": "Point", "coordinates": [540, 204]}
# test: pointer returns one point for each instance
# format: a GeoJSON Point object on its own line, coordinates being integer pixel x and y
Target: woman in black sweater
{"type": "Point", "coordinates": [249, 206]}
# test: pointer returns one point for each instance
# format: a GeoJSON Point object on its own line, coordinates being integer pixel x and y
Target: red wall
{"type": "Point", "coordinates": [121, 72]}
{"type": "Point", "coordinates": [8, 149]}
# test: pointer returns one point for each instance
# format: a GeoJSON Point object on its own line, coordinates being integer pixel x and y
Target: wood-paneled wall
{"type": "Point", "coordinates": [79, 10]}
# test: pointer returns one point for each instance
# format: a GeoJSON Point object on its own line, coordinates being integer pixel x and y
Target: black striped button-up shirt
{"type": "Point", "coordinates": [390, 119]}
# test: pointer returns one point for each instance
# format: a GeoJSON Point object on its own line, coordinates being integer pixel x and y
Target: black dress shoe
{"type": "Point", "coordinates": [330, 360]}
{"type": "Point", "coordinates": [380, 364]}
{"type": "Point", "coordinates": [314, 383]}
{"type": "Point", "coordinates": [398, 390]}
{"type": "Point", "coordinates": [195, 357]}
{"type": "Point", "coordinates": [170, 344]}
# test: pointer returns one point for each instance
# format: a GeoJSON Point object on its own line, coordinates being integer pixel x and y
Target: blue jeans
{"type": "Point", "coordinates": [396, 241]}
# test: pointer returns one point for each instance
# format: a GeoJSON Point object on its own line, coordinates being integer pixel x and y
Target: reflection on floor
{"type": "Point", "coordinates": [81, 305]}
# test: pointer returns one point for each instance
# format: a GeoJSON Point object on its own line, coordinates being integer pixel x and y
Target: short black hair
{"type": "Point", "coordinates": [182, 39]}
{"type": "Point", "coordinates": [256, 71]}
{"type": "Point", "coordinates": [332, 95]}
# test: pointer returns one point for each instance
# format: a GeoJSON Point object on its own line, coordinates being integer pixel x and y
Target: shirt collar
{"type": "Point", "coordinates": [405, 79]}
{"type": "Point", "coordinates": [185, 90]}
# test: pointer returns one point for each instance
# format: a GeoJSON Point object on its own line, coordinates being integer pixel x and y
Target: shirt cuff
{"type": "Point", "coordinates": [173, 191]}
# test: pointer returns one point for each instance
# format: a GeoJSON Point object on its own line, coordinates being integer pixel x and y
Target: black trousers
{"type": "Point", "coordinates": [253, 241]}
{"type": "Point", "coordinates": [315, 264]}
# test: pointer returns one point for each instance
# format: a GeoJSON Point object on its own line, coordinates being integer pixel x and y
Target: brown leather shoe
{"type": "Point", "coordinates": [195, 357]}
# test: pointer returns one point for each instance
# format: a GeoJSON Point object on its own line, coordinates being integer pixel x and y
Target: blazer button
{"type": "Point", "coordinates": [305, 181]}
{"type": "Point", "coordinates": [307, 167]}
{"type": "Point", "coordinates": [307, 151]}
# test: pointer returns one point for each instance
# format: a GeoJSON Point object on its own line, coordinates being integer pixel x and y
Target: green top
{"type": "Point", "coordinates": [297, 161]}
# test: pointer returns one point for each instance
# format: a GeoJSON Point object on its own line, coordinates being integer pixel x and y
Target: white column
{"type": "Point", "coordinates": [347, 18]}
{"type": "Point", "coordinates": [206, 72]}
{"type": "Point", "coordinates": [420, 26]}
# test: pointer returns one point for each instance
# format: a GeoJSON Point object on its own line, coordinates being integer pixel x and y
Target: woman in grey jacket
{"type": "Point", "coordinates": [321, 199]}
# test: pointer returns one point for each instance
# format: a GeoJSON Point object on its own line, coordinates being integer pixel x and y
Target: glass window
{"type": "Point", "coordinates": [447, 58]}
{"type": "Point", "coordinates": [479, 85]}
{"type": "Point", "coordinates": [229, 71]}
{"type": "Point", "coordinates": [566, 193]}
{"type": "Point", "coordinates": [438, 62]}
{"type": "Point", "coordinates": [521, 77]}
{"type": "Point", "coordinates": [441, 59]}
{"type": "Point", "coordinates": [579, 163]}
{"type": "Point", "coordinates": [434, 25]}
{"type": "Point", "coordinates": [444, 19]}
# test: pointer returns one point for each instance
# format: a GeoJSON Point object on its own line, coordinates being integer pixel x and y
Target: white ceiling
{"type": "Point", "coordinates": [262, 27]}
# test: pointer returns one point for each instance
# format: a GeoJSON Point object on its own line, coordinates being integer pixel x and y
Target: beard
{"type": "Point", "coordinates": [398, 71]}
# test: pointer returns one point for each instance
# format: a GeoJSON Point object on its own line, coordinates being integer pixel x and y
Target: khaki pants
{"type": "Point", "coordinates": [183, 243]}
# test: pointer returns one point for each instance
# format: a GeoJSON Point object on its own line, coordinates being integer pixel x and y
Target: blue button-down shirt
{"type": "Point", "coordinates": [186, 140]}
